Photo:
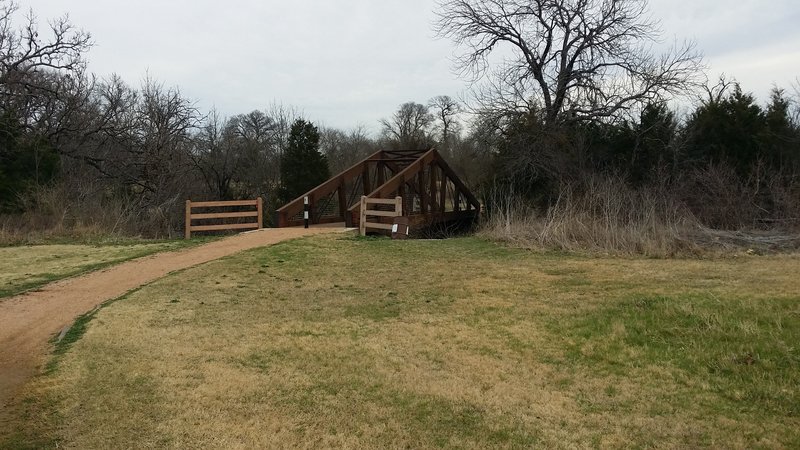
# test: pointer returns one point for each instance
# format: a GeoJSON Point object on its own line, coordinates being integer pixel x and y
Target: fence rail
{"type": "Point", "coordinates": [258, 214]}
{"type": "Point", "coordinates": [365, 212]}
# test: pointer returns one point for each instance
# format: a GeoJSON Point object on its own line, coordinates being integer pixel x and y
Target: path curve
{"type": "Point", "coordinates": [28, 321]}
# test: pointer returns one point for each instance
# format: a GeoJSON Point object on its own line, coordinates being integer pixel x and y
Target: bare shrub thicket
{"type": "Point", "coordinates": [85, 208]}
{"type": "Point", "coordinates": [604, 213]}
{"type": "Point", "coordinates": [601, 214]}
{"type": "Point", "coordinates": [55, 212]}
{"type": "Point", "coordinates": [721, 199]}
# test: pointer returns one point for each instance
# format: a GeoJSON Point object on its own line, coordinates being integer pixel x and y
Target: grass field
{"type": "Point", "coordinates": [366, 343]}
{"type": "Point", "coordinates": [28, 267]}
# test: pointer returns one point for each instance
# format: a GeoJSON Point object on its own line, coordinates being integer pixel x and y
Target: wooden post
{"type": "Point", "coordinates": [380, 174]}
{"type": "Point", "coordinates": [342, 191]}
{"type": "Point", "coordinates": [432, 193]}
{"type": "Point", "coordinates": [443, 188]}
{"type": "Point", "coordinates": [283, 221]}
{"type": "Point", "coordinates": [423, 199]}
{"type": "Point", "coordinates": [306, 211]}
{"type": "Point", "coordinates": [365, 179]}
{"type": "Point", "coordinates": [260, 207]}
{"type": "Point", "coordinates": [362, 223]}
{"type": "Point", "coordinates": [398, 206]}
{"type": "Point", "coordinates": [188, 227]}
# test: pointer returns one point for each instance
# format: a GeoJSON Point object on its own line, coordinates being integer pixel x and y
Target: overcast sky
{"type": "Point", "coordinates": [350, 62]}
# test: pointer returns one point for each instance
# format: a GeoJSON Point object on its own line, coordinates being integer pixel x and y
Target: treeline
{"type": "Point", "coordinates": [731, 161]}
{"type": "Point", "coordinates": [77, 151]}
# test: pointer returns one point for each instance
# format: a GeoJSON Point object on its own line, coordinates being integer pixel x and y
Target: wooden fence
{"type": "Point", "coordinates": [257, 214]}
{"type": "Point", "coordinates": [365, 201]}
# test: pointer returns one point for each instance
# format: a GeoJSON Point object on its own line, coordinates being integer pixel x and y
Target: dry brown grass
{"type": "Point", "coordinates": [363, 343]}
{"type": "Point", "coordinates": [607, 216]}
{"type": "Point", "coordinates": [62, 213]}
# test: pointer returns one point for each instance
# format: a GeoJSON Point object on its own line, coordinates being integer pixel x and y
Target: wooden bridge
{"type": "Point", "coordinates": [431, 192]}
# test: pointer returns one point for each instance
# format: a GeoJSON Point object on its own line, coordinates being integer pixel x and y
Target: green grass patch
{"type": "Point", "coordinates": [740, 349]}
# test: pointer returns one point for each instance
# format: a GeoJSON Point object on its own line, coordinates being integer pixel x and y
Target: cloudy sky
{"type": "Point", "coordinates": [350, 62]}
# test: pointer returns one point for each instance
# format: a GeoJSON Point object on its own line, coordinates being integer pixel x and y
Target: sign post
{"type": "Point", "coordinates": [306, 214]}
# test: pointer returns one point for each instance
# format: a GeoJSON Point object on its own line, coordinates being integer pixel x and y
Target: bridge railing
{"type": "Point", "coordinates": [363, 224]}
{"type": "Point", "coordinates": [258, 214]}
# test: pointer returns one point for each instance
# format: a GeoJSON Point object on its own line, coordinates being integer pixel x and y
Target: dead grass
{"type": "Point", "coordinates": [28, 267]}
{"type": "Point", "coordinates": [365, 343]}
{"type": "Point", "coordinates": [604, 215]}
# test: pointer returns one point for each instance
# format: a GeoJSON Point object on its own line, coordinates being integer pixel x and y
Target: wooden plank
{"type": "Point", "coordinates": [423, 198]}
{"type": "Point", "coordinates": [362, 223]}
{"type": "Point", "coordinates": [379, 226]}
{"type": "Point", "coordinates": [443, 189]}
{"type": "Point", "coordinates": [342, 194]}
{"type": "Point", "coordinates": [404, 153]}
{"type": "Point", "coordinates": [321, 220]}
{"type": "Point", "coordinates": [380, 201]}
{"type": "Point", "coordinates": [364, 181]}
{"type": "Point", "coordinates": [260, 212]}
{"type": "Point", "coordinates": [230, 226]}
{"type": "Point", "coordinates": [380, 213]}
{"type": "Point", "coordinates": [381, 175]}
{"type": "Point", "coordinates": [396, 160]}
{"type": "Point", "coordinates": [432, 193]}
{"type": "Point", "coordinates": [227, 215]}
{"type": "Point", "coordinates": [230, 203]}
{"type": "Point", "coordinates": [188, 223]}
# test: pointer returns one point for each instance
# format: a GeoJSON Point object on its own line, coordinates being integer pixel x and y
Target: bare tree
{"type": "Point", "coordinates": [716, 92]}
{"type": "Point", "coordinates": [409, 127]}
{"type": "Point", "coordinates": [283, 116]}
{"type": "Point", "coordinates": [24, 53]}
{"type": "Point", "coordinates": [570, 59]}
{"type": "Point", "coordinates": [796, 102]}
{"type": "Point", "coordinates": [344, 149]}
{"type": "Point", "coordinates": [255, 138]}
{"type": "Point", "coordinates": [42, 81]}
{"type": "Point", "coordinates": [213, 157]}
{"type": "Point", "coordinates": [446, 110]}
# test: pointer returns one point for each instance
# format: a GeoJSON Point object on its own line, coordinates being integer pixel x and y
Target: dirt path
{"type": "Point", "coordinates": [28, 321]}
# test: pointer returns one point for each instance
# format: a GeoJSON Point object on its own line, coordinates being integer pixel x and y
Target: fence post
{"type": "Point", "coordinates": [306, 211]}
{"type": "Point", "coordinates": [398, 206]}
{"type": "Point", "coordinates": [362, 223]}
{"type": "Point", "coordinates": [188, 227]}
{"type": "Point", "coordinates": [260, 206]}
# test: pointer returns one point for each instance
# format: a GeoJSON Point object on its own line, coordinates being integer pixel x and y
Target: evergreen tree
{"type": "Point", "coordinates": [608, 146]}
{"type": "Point", "coordinates": [655, 133]}
{"type": "Point", "coordinates": [25, 162]}
{"type": "Point", "coordinates": [303, 167]}
{"type": "Point", "coordinates": [728, 130]}
{"type": "Point", "coordinates": [780, 138]}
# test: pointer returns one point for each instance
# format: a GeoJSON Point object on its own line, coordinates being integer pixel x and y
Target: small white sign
{"type": "Point", "coordinates": [305, 214]}
{"type": "Point", "coordinates": [394, 228]}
